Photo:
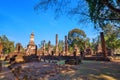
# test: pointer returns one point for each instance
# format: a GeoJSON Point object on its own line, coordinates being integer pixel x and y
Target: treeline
{"type": "Point", "coordinates": [7, 45]}
{"type": "Point", "coordinates": [76, 37]}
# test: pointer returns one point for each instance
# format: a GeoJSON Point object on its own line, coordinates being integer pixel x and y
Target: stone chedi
{"type": "Point", "coordinates": [31, 47]}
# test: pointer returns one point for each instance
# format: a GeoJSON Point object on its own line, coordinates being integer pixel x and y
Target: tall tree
{"type": "Point", "coordinates": [98, 11]}
{"type": "Point", "coordinates": [112, 36]}
{"type": "Point", "coordinates": [76, 37]}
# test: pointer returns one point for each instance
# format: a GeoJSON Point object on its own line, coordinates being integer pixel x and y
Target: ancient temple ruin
{"type": "Point", "coordinates": [18, 48]}
{"type": "Point", "coordinates": [56, 47]}
{"type": "Point", "coordinates": [103, 44]}
{"type": "Point", "coordinates": [66, 45]}
{"type": "Point", "coordinates": [1, 47]}
{"type": "Point", "coordinates": [31, 47]}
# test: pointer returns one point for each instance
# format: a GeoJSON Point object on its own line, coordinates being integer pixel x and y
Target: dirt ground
{"type": "Point", "coordinates": [88, 70]}
{"type": "Point", "coordinates": [94, 70]}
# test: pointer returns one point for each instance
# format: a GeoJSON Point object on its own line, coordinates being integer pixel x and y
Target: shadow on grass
{"type": "Point", "coordinates": [94, 70]}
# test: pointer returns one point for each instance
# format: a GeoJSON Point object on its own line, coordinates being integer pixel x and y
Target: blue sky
{"type": "Point", "coordinates": [18, 20]}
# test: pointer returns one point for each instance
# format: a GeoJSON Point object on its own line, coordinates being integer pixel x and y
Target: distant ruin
{"type": "Point", "coordinates": [31, 47]}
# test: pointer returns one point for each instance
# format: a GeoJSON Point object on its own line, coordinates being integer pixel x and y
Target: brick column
{"type": "Point", "coordinates": [66, 45]}
{"type": "Point", "coordinates": [103, 44]}
{"type": "Point", "coordinates": [44, 47]}
{"type": "Point", "coordinates": [56, 50]}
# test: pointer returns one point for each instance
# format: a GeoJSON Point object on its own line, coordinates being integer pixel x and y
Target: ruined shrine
{"type": "Point", "coordinates": [18, 48]}
{"type": "Point", "coordinates": [31, 47]}
{"type": "Point", "coordinates": [1, 47]}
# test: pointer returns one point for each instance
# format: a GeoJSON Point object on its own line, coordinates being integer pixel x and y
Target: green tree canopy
{"type": "Point", "coordinates": [8, 46]}
{"type": "Point", "coordinates": [112, 36]}
{"type": "Point", "coordinates": [100, 12]}
{"type": "Point", "coordinates": [76, 37]}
